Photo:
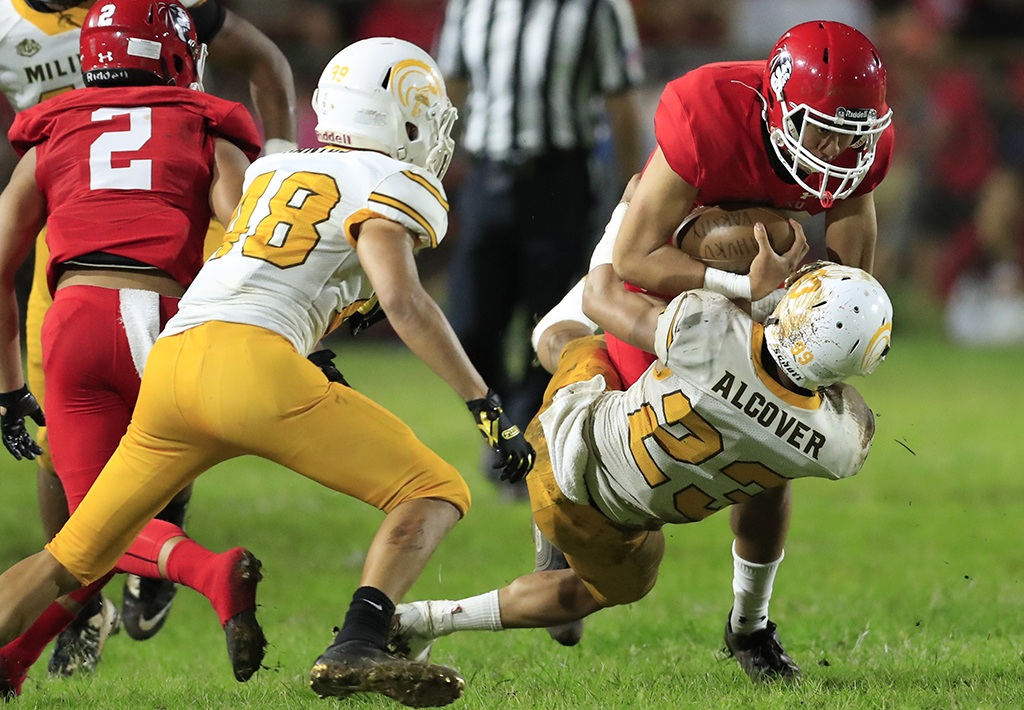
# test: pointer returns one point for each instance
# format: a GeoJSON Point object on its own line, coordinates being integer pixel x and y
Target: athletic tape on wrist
{"type": "Point", "coordinates": [727, 283]}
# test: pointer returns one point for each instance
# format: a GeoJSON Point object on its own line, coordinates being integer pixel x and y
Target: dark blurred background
{"type": "Point", "coordinates": [951, 211]}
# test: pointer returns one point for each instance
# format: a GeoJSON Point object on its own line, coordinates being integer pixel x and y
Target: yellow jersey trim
{"type": "Point", "coordinates": [811, 402]}
{"type": "Point", "coordinates": [428, 186]}
{"type": "Point", "coordinates": [408, 211]}
{"type": "Point", "coordinates": [52, 23]}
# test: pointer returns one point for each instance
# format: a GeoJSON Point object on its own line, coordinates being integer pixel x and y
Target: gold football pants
{"type": "Point", "coordinates": [617, 565]}
{"type": "Point", "coordinates": [222, 390]}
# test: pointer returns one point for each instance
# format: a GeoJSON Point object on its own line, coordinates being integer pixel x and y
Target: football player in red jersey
{"type": "Point", "coordinates": [807, 130]}
{"type": "Point", "coordinates": [50, 28]}
{"type": "Point", "coordinates": [126, 174]}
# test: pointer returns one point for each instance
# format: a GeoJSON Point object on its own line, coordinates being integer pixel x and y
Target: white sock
{"type": "Point", "coordinates": [479, 613]}
{"type": "Point", "coordinates": [752, 590]}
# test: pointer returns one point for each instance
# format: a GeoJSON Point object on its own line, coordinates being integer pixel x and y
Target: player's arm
{"type": "Point", "coordinates": [642, 254]}
{"type": "Point", "coordinates": [851, 230]}
{"type": "Point", "coordinates": [22, 213]}
{"type": "Point", "coordinates": [628, 315]}
{"type": "Point", "coordinates": [241, 47]}
{"type": "Point", "coordinates": [386, 251]}
{"type": "Point", "coordinates": [228, 174]}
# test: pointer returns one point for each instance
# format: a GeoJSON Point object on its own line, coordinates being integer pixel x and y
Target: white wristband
{"type": "Point", "coordinates": [603, 251]}
{"type": "Point", "coordinates": [727, 283]}
{"type": "Point", "coordinates": [278, 145]}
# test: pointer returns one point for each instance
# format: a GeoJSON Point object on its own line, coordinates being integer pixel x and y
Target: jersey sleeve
{"type": "Point", "coordinates": [858, 428]}
{"type": "Point", "coordinates": [30, 128]}
{"type": "Point", "coordinates": [690, 327]}
{"type": "Point", "coordinates": [232, 121]}
{"type": "Point", "coordinates": [673, 132]}
{"type": "Point", "coordinates": [415, 199]}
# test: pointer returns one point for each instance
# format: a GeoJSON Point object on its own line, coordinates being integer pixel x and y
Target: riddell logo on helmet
{"type": "Point", "coordinates": [856, 114]}
{"type": "Point", "coordinates": [780, 69]}
{"type": "Point", "coordinates": [335, 138]}
{"type": "Point", "coordinates": [107, 75]}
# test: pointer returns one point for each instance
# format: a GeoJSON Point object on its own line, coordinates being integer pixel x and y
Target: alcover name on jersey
{"type": "Point", "coordinates": [767, 414]}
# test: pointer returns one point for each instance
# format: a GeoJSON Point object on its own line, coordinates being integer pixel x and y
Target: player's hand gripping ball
{"type": "Point", "coordinates": [722, 236]}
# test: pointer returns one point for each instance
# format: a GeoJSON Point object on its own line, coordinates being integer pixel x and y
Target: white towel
{"type": "Point", "coordinates": [564, 425]}
{"type": "Point", "coordinates": [140, 315]}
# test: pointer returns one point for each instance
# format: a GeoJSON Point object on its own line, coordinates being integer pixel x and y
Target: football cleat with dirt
{"type": "Point", "coordinates": [246, 642]}
{"type": "Point", "coordinates": [145, 605]}
{"type": "Point", "coordinates": [78, 647]}
{"type": "Point", "coordinates": [359, 667]}
{"type": "Point", "coordinates": [760, 654]}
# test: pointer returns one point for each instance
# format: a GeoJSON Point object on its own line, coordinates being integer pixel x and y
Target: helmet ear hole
{"type": "Point", "coordinates": [412, 130]}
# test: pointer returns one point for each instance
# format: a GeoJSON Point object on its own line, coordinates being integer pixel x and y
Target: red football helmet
{"type": "Point", "coordinates": [828, 75]}
{"type": "Point", "coordinates": [140, 43]}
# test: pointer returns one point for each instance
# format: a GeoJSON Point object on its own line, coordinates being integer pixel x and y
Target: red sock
{"type": "Point", "coordinates": [142, 557]}
{"type": "Point", "coordinates": [209, 573]}
{"type": "Point", "coordinates": [213, 575]}
{"type": "Point", "coordinates": [19, 655]}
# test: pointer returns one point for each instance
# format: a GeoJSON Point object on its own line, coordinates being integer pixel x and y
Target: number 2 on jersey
{"type": "Point", "coordinates": [287, 234]}
{"type": "Point", "coordinates": [137, 174]}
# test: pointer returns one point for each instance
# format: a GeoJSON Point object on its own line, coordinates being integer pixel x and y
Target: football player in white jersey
{"type": "Point", "coordinates": [317, 233]}
{"type": "Point", "coordinates": [730, 409]}
{"type": "Point", "coordinates": [39, 58]}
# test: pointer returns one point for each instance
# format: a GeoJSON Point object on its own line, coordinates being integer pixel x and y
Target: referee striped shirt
{"type": "Point", "coordinates": [535, 68]}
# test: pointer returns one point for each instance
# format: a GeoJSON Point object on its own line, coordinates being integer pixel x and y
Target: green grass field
{"type": "Point", "coordinates": [902, 587]}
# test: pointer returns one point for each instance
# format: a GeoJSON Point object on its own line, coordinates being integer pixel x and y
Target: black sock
{"type": "Point", "coordinates": [368, 618]}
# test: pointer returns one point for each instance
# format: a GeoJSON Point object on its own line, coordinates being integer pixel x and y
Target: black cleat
{"type": "Point", "coordinates": [79, 646]}
{"type": "Point", "coordinates": [145, 605]}
{"type": "Point", "coordinates": [551, 558]}
{"type": "Point", "coordinates": [760, 654]}
{"type": "Point", "coordinates": [245, 639]}
{"type": "Point", "coordinates": [359, 667]}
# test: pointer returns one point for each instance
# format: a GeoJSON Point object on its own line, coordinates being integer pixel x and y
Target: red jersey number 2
{"type": "Point", "coordinates": [136, 174]}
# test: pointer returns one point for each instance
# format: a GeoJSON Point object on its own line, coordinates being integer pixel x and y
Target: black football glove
{"type": "Point", "coordinates": [324, 359]}
{"type": "Point", "coordinates": [18, 405]}
{"type": "Point", "coordinates": [514, 451]}
{"type": "Point", "coordinates": [368, 314]}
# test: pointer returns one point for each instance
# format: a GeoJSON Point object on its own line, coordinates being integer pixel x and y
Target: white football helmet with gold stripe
{"type": "Point", "coordinates": [833, 323]}
{"type": "Point", "coordinates": [388, 95]}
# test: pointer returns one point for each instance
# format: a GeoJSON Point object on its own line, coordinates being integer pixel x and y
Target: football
{"type": "Point", "coordinates": [722, 236]}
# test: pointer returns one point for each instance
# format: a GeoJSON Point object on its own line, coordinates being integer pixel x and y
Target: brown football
{"type": "Point", "coordinates": [722, 236]}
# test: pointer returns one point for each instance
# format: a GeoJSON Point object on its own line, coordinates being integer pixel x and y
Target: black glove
{"type": "Point", "coordinates": [324, 359]}
{"type": "Point", "coordinates": [368, 314]}
{"type": "Point", "coordinates": [18, 405]}
{"type": "Point", "coordinates": [515, 452]}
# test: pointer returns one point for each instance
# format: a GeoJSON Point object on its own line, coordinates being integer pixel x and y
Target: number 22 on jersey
{"type": "Point", "coordinates": [700, 442]}
{"type": "Point", "coordinates": [287, 233]}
